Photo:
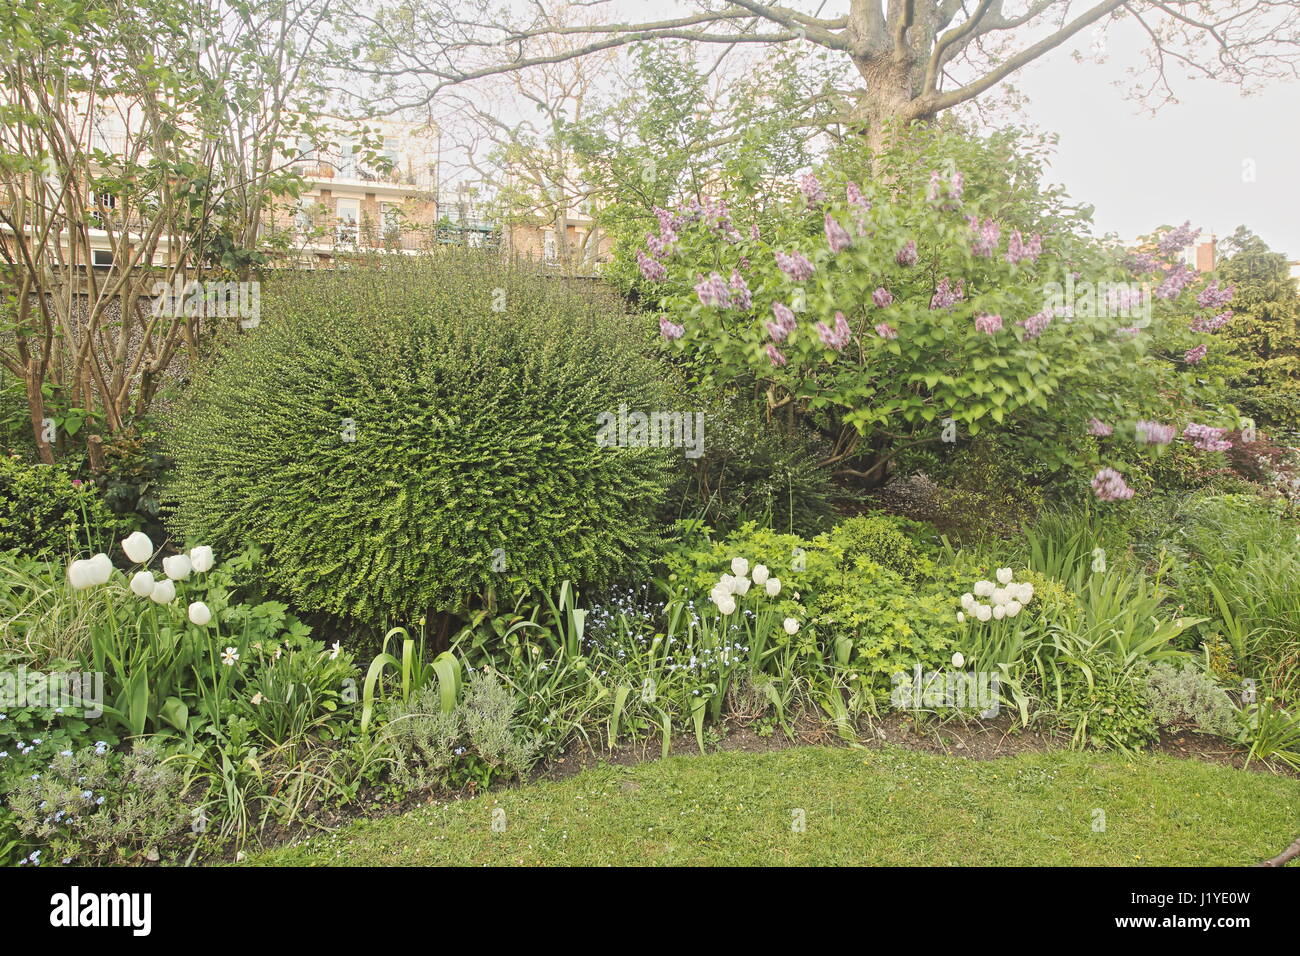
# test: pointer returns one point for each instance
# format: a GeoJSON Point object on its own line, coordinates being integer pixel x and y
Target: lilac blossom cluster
{"type": "Point", "coordinates": [1212, 323]}
{"type": "Point", "coordinates": [1176, 240]}
{"type": "Point", "coordinates": [861, 206]}
{"type": "Point", "coordinates": [1099, 428]}
{"type": "Point", "coordinates": [1176, 280]}
{"type": "Point", "coordinates": [1037, 323]}
{"type": "Point", "coordinates": [1214, 296]}
{"type": "Point", "coordinates": [811, 188]}
{"type": "Point", "coordinates": [713, 291]}
{"type": "Point", "coordinates": [651, 269]}
{"type": "Point", "coordinates": [946, 296]}
{"type": "Point", "coordinates": [670, 330]}
{"type": "Point", "coordinates": [1207, 437]}
{"type": "Point", "coordinates": [1195, 354]}
{"type": "Point", "coordinates": [988, 324]}
{"type": "Point", "coordinates": [838, 337]}
{"type": "Point", "coordinates": [1018, 250]}
{"type": "Point", "coordinates": [1154, 433]}
{"type": "Point", "coordinates": [795, 265]}
{"type": "Point", "coordinates": [886, 331]}
{"type": "Point", "coordinates": [784, 324]}
{"type": "Point", "coordinates": [956, 186]}
{"type": "Point", "coordinates": [882, 298]}
{"type": "Point", "coordinates": [837, 237]}
{"type": "Point", "coordinates": [986, 236]}
{"type": "Point", "coordinates": [907, 255]}
{"type": "Point", "coordinates": [1109, 485]}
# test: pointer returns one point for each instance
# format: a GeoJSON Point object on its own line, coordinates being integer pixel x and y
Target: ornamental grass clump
{"type": "Point", "coordinates": [401, 438]}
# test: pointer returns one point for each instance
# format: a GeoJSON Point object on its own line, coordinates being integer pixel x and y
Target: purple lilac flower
{"type": "Point", "coordinates": [935, 180]}
{"type": "Point", "coordinates": [740, 295]}
{"type": "Point", "coordinates": [1154, 433]}
{"type": "Point", "coordinates": [907, 255]}
{"type": "Point", "coordinates": [945, 296]}
{"type": "Point", "coordinates": [667, 225]}
{"type": "Point", "coordinates": [670, 330]}
{"type": "Point", "coordinates": [1176, 240]}
{"type": "Point", "coordinates": [988, 324]}
{"type": "Point", "coordinates": [1212, 324]}
{"type": "Point", "coordinates": [986, 236]}
{"type": "Point", "coordinates": [837, 237]}
{"type": "Point", "coordinates": [882, 297]}
{"type": "Point", "coordinates": [1018, 250]}
{"type": "Point", "coordinates": [1206, 437]}
{"type": "Point", "coordinates": [812, 189]}
{"type": "Point", "coordinates": [784, 316]}
{"type": "Point", "coordinates": [1214, 296]}
{"type": "Point", "coordinates": [1099, 428]}
{"type": "Point", "coordinates": [658, 247]}
{"type": "Point", "coordinates": [956, 185]}
{"type": "Point", "coordinates": [754, 232]}
{"type": "Point", "coordinates": [794, 265]}
{"type": "Point", "coordinates": [861, 206]}
{"type": "Point", "coordinates": [886, 331]}
{"type": "Point", "coordinates": [1140, 263]}
{"type": "Point", "coordinates": [1176, 280]}
{"type": "Point", "coordinates": [1037, 323]}
{"type": "Point", "coordinates": [713, 291]}
{"type": "Point", "coordinates": [651, 270]}
{"type": "Point", "coordinates": [1108, 485]}
{"type": "Point", "coordinates": [777, 331]}
{"type": "Point", "coordinates": [838, 337]}
{"type": "Point", "coordinates": [1194, 355]}
{"type": "Point", "coordinates": [774, 354]}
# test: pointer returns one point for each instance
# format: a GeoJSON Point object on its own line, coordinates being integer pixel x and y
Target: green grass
{"type": "Point", "coordinates": [890, 807]}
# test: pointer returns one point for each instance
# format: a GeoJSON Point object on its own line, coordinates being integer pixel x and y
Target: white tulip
{"type": "Point", "coordinates": [177, 567]}
{"type": "Point", "coordinates": [1000, 595]}
{"type": "Point", "coordinates": [727, 605]}
{"type": "Point", "coordinates": [1005, 575]}
{"type": "Point", "coordinates": [772, 587]}
{"type": "Point", "coordinates": [199, 614]}
{"type": "Point", "coordinates": [958, 661]}
{"type": "Point", "coordinates": [740, 586]}
{"type": "Point", "coordinates": [1026, 592]}
{"type": "Point", "coordinates": [983, 588]}
{"type": "Point", "coordinates": [999, 613]}
{"type": "Point", "coordinates": [81, 575]}
{"type": "Point", "coordinates": [983, 612]}
{"type": "Point", "coordinates": [727, 583]}
{"type": "Point", "coordinates": [1013, 608]}
{"type": "Point", "coordinates": [142, 583]}
{"type": "Point", "coordinates": [102, 566]}
{"type": "Point", "coordinates": [739, 567]}
{"type": "Point", "coordinates": [138, 547]}
{"type": "Point", "coordinates": [760, 574]}
{"type": "Point", "coordinates": [201, 559]}
{"type": "Point", "coordinates": [961, 618]}
{"type": "Point", "coordinates": [791, 626]}
{"type": "Point", "coordinates": [164, 592]}
{"type": "Point", "coordinates": [968, 601]}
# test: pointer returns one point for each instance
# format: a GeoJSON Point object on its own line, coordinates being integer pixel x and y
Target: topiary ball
{"type": "Point", "coordinates": [400, 439]}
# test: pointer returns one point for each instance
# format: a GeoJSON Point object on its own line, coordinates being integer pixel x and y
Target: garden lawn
{"type": "Point", "coordinates": [890, 807]}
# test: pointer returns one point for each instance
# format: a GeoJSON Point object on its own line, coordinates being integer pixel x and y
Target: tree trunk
{"type": "Point", "coordinates": [893, 83]}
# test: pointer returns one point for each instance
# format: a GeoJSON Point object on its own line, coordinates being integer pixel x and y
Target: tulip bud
{"type": "Point", "coordinates": [201, 559]}
{"type": "Point", "coordinates": [138, 547]}
{"type": "Point", "coordinates": [142, 583]}
{"type": "Point", "coordinates": [177, 567]}
{"type": "Point", "coordinates": [199, 614]}
{"type": "Point", "coordinates": [164, 592]}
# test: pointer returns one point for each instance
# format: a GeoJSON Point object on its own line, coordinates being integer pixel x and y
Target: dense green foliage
{"type": "Point", "coordinates": [43, 509]}
{"type": "Point", "coordinates": [397, 445]}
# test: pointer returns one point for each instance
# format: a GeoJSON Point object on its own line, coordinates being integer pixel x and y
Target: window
{"type": "Point", "coordinates": [348, 214]}
{"type": "Point", "coordinates": [548, 245]}
{"type": "Point", "coordinates": [101, 258]}
{"type": "Point", "coordinates": [302, 216]}
{"type": "Point", "coordinates": [390, 220]}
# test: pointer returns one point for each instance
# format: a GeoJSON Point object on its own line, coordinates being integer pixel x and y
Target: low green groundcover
{"type": "Point", "coordinates": [836, 806]}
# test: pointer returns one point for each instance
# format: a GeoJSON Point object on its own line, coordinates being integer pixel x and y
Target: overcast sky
{"type": "Point", "coordinates": [1191, 160]}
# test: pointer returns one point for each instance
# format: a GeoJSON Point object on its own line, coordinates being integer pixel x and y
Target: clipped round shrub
{"type": "Point", "coordinates": [401, 439]}
{"type": "Point", "coordinates": [42, 511]}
